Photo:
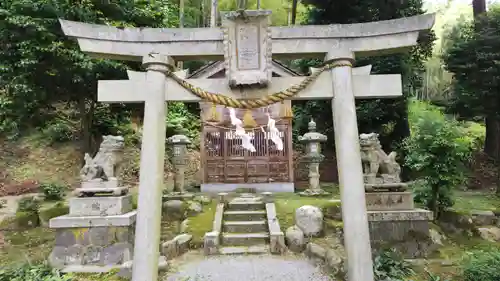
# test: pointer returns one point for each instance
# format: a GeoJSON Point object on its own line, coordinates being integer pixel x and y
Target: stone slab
{"type": "Point", "coordinates": [247, 48]}
{"type": "Point", "coordinates": [93, 221]}
{"type": "Point", "coordinates": [100, 191]}
{"type": "Point", "coordinates": [385, 201]}
{"type": "Point", "coordinates": [100, 206]}
{"type": "Point", "coordinates": [178, 196]}
{"type": "Point", "coordinates": [405, 215]}
{"type": "Point", "coordinates": [259, 187]}
{"type": "Point", "coordinates": [219, 214]}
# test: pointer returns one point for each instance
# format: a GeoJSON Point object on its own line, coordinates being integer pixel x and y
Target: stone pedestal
{"type": "Point", "coordinates": [96, 236]}
{"type": "Point", "coordinates": [100, 206]}
{"type": "Point", "coordinates": [100, 187]}
{"type": "Point", "coordinates": [92, 243]}
{"type": "Point", "coordinates": [395, 223]}
{"type": "Point", "coordinates": [389, 201]}
{"type": "Point", "coordinates": [406, 231]}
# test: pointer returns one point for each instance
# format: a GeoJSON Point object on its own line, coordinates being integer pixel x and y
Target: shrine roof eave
{"type": "Point", "coordinates": [288, 42]}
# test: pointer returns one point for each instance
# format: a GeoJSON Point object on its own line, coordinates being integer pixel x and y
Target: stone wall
{"type": "Point", "coordinates": [98, 246]}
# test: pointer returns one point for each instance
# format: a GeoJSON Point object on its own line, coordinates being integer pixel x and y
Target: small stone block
{"type": "Point", "coordinates": [384, 201]}
{"type": "Point", "coordinates": [267, 197]}
{"type": "Point", "coordinates": [211, 243]}
{"type": "Point", "coordinates": [178, 196]}
{"type": "Point", "coordinates": [277, 242]}
{"type": "Point", "coordinates": [223, 197]}
{"type": "Point", "coordinates": [100, 206]}
{"type": "Point", "coordinates": [314, 193]}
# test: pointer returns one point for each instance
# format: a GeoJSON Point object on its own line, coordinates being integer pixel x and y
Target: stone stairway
{"type": "Point", "coordinates": [245, 227]}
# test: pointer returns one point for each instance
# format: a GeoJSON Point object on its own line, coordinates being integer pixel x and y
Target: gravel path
{"type": "Point", "coordinates": [245, 268]}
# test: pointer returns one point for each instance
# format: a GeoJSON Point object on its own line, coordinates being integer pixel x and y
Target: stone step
{"type": "Point", "coordinates": [246, 206]}
{"type": "Point", "coordinates": [244, 239]}
{"type": "Point", "coordinates": [245, 226]}
{"type": "Point", "coordinates": [245, 215]}
{"type": "Point", "coordinates": [245, 250]}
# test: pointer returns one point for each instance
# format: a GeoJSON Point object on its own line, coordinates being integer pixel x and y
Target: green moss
{"type": "Point", "coordinates": [467, 201]}
{"type": "Point", "coordinates": [27, 219]}
{"type": "Point", "coordinates": [55, 211]}
{"type": "Point", "coordinates": [135, 197]}
{"type": "Point", "coordinates": [33, 244]}
{"type": "Point", "coordinates": [109, 276]}
{"type": "Point", "coordinates": [201, 224]}
{"type": "Point", "coordinates": [334, 224]}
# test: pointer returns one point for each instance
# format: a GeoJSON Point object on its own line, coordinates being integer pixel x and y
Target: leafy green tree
{"type": "Point", "coordinates": [437, 151]}
{"type": "Point", "coordinates": [473, 58]}
{"type": "Point", "coordinates": [41, 67]}
{"type": "Point", "coordinates": [386, 116]}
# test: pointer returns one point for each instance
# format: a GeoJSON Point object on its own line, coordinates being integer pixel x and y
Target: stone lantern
{"type": "Point", "coordinates": [313, 157]}
{"type": "Point", "coordinates": [179, 160]}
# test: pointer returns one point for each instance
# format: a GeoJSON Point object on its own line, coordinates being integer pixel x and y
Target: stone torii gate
{"type": "Point", "coordinates": [244, 43]}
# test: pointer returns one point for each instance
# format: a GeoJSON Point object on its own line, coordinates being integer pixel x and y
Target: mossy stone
{"type": "Point", "coordinates": [27, 219]}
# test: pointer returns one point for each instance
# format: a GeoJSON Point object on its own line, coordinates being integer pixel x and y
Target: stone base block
{"type": "Point", "coordinates": [393, 187]}
{"type": "Point", "coordinates": [314, 193]}
{"type": "Point", "coordinates": [405, 231]}
{"type": "Point", "coordinates": [91, 245]}
{"type": "Point", "coordinates": [100, 206]}
{"type": "Point", "coordinates": [211, 243]}
{"type": "Point", "coordinates": [178, 196]}
{"type": "Point", "coordinates": [387, 201]}
{"type": "Point", "coordinates": [258, 187]}
{"type": "Point", "coordinates": [100, 191]}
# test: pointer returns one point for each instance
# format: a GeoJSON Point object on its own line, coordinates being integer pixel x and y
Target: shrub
{"type": "Point", "coordinates": [59, 131]}
{"type": "Point", "coordinates": [482, 265]}
{"type": "Point", "coordinates": [436, 153]}
{"type": "Point", "coordinates": [27, 214]}
{"type": "Point", "coordinates": [28, 204]}
{"type": "Point", "coordinates": [389, 266]}
{"type": "Point", "coordinates": [53, 191]}
{"type": "Point", "coordinates": [31, 273]}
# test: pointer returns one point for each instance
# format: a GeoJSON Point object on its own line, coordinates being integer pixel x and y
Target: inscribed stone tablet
{"type": "Point", "coordinates": [248, 47]}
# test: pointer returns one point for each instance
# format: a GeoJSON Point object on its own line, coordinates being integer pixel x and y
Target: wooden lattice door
{"type": "Point", "coordinates": [225, 161]}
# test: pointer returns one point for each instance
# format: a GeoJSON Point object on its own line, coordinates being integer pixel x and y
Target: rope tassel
{"type": "Point", "coordinates": [213, 115]}
{"type": "Point", "coordinates": [285, 111]}
{"type": "Point", "coordinates": [248, 121]}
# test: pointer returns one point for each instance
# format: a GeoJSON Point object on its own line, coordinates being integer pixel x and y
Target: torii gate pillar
{"type": "Point", "coordinates": [350, 171]}
{"type": "Point", "coordinates": [147, 231]}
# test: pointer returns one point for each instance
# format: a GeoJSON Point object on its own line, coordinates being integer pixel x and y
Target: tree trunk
{"type": "Point", "coordinates": [294, 11]}
{"type": "Point", "coordinates": [492, 139]}
{"type": "Point", "coordinates": [478, 7]}
{"type": "Point", "coordinates": [86, 120]}
{"type": "Point", "coordinates": [492, 144]}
